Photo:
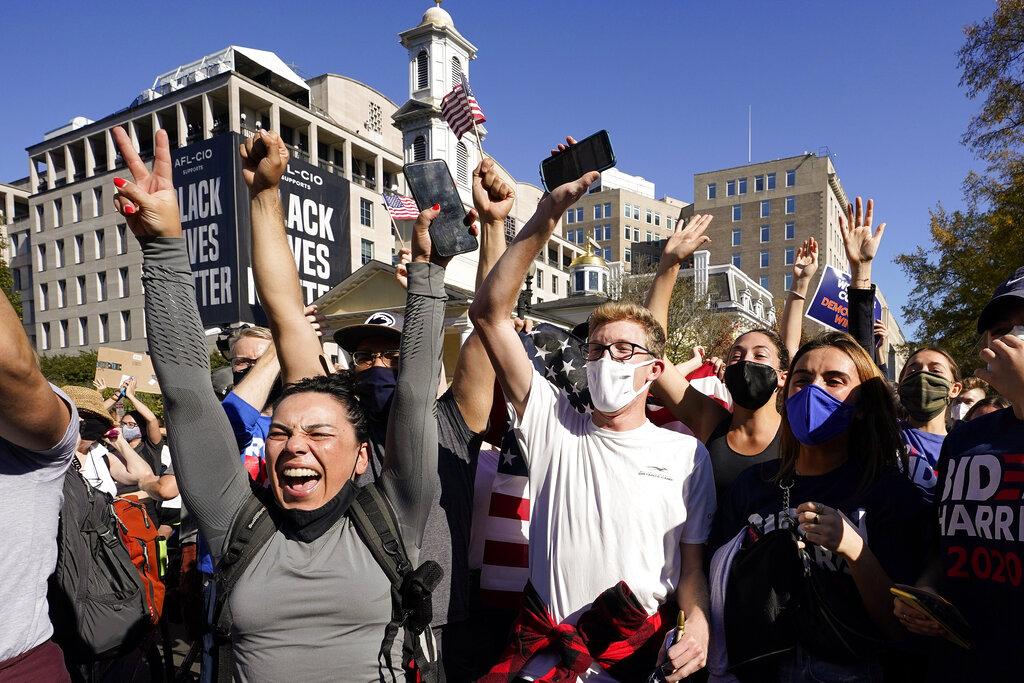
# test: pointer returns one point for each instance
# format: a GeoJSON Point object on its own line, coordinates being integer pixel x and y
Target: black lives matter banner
{"type": "Point", "coordinates": [214, 205]}
{"type": "Point", "coordinates": [206, 182]}
{"type": "Point", "coordinates": [316, 218]}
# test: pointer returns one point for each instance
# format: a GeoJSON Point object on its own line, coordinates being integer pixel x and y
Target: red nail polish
{"type": "Point", "coordinates": [436, 207]}
{"type": "Point", "coordinates": [129, 209]}
{"type": "Point", "coordinates": [120, 182]}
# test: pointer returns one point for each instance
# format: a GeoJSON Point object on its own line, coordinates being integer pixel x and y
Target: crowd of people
{"type": "Point", "coordinates": [822, 523]}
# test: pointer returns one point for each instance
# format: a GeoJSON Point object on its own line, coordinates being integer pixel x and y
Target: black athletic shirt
{"type": "Point", "coordinates": [727, 464]}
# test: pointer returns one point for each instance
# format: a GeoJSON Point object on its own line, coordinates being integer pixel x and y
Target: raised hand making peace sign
{"type": "Point", "coordinates": [148, 202]}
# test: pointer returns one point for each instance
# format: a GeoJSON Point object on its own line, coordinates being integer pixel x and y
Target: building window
{"type": "Point", "coordinates": [39, 217]}
{"type": "Point", "coordinates": [366, 251]}
{"type": "Point", "coordinates": [579, 280]}
{"type": "Point", "coordinates": [766, 233]}
{"type": "Point", "coordinates": [764, 259]}
{"type": "Point", "coordinates": [712, 190]}
{"type": "Point", "coordinates": [101, 286]}
{"type": "Point", "coordinates": [102, 331]}
{"type": "Point", "coordinates": [763, 281]}
{"type": "Point", "coordinates": [62, 293]}
{"type": "Point", "coordinates": [554, 284]}
{"type": "Point", "coordinates": [758, 183]}
{"type": "Point", "coordinates": [741, 185]}
{"type": "Point", "coordinates": [597, 211]}
{"type": "Point", "coordinates": [456, 71]}
{"type": "Point", "coordinates": [790, 230]}
{"type": "Point", "coordinates": [58, 207]}
{"type": "Point", "coordinates": [570, 216]}
{"type": "Point", "coordinates": [771, 181]}
{"type": "Point", "coordinates": [540, 279]}
{"type": "Point", "coordinates": [649, 216]}
{"type": "Point", "coordinates": [45, 341]}
{"type": "Point", "coordinates": [40, 258]}
{"type": "Point", "coordinates": [627, 210]}
{"type": "Point", "coordinates": [766, 208]}
{"type": "Point", "coordinates": [76, 207]}
{"type": "Point", "coordinates": [790, 254]}
{"type": "Point", "coordinates": [636, 212]}
{"type": "Point", "coordinates": [648, 236]}
{"type": "Point", "coordinates": [657, 219]}
{"type": "Point", "coordinates": [579, 215]}
{"type": "Point", "coordinates": [79, 247]}
{"type": "Point", "coordinates": [365, 213]}
{"type": "Point", "coordinates": [608, 210]}
{"type": "Point", "coordinates": [737, 237]}
{"type": "Point", "coordinates": [122, 238]}
{"type": "Point", "coordinates": [626, 232]}
{"type": "Point", "coordinates": [737, 260]}
{"type": "Point", "coordinates": [607, 254]}
{"type": "Point", "coordinates": [99, 250]}
{"type": "Point", "coordinates": [419, 148]}
{"type": "Point", "coordinates": [730, 188]}
{"type": "Point", "coordinates": [510, 230]}
{"type": "Point", "coordinates": [628, 256]}
{"type": "Point", "coordinates": [62, 329]}
{"type": "Point", "coordinates": [789, 281]}
{"type": "Point", "coordinates": [737, 212]}
{"type": "Point", "coordinates": [97, 201]}
{"type": "Point", "coordinates": [422, 70]}
{"type": "Point", "coordinates": [58, 254]}
{"type": "Point", "coordinates": [126, 325]}
{"type": "Point", "coordinates": [790, 204]}
{"type": "Point", "coordinates": [80, 289]}
{"type": "Point", "coordinates": [44, 292]}
{"type": "Point", "coordinates": [636, 234]}
{"type": "Point", "coordinates": [790, 178]}
{"type": "Point", "coordinates": [122, 282]}
{"type": "Point", "coordinates": [83, 331]}
{"type": "Point", "coordinates": [462, 164]}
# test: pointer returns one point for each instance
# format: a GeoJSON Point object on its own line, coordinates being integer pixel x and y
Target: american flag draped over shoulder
{"type": "Point", "coordinates": [556, 355]}
{"type": "Point", "coordinates": [460, 109]}
{"type": "Point", "coordinates": [401, 207]}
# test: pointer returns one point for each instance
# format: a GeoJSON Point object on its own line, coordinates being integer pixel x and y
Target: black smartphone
{"type": "Point", "coordinates": [593, 153]}
{"type": "Point", "coordinates": [431, 183]}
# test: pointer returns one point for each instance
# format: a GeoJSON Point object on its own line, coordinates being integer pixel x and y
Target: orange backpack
{"type": "Point", "coordinates": [139, 535]}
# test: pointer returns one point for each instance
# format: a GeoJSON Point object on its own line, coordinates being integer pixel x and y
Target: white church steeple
{"type": "Point", "coordinates": [438, 56]}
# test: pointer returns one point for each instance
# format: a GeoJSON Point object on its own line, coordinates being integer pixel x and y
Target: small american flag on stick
{"type": "Point", "coordinates": [460, 109]}
{"type": "Point", "coordinates": [401, 207]}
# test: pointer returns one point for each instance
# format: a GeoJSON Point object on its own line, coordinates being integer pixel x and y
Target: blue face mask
{"type": "Point", "coordinates": [815, 416]}
{"type": "Point", "coordinates": [376, 387]}
{"type": "Point", "coordinates": [131, 433]}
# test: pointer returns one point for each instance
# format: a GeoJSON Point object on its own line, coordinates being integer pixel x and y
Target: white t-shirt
{"type": "Point", "coordinates": [607, 506]}
{"type": "Point", "coordinates": [95, 470]}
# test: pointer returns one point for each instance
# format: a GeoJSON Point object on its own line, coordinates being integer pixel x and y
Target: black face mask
{"type": "Point", "coordinates": [309, 525]}
{"type": "Point", "coordinates": [376, 387]}
{"type": "Point", "coordinates": [93, 429]}
{"type": "Point", "coordinates": [751, 384]}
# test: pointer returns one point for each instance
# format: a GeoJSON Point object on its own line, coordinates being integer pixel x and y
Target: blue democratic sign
{"type": "Point", "coordinates": [830, 304]}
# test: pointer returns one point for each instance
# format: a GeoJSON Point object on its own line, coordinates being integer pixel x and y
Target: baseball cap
{"type": "Point", "coordinates": [1007, 295]}
{"type": "Point", "coordinates": [380, 324]}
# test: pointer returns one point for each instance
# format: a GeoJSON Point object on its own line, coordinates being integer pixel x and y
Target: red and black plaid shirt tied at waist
{"type": "Point", "coordinates": [616, 633]}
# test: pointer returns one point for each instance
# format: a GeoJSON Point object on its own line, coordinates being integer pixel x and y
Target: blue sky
{"type": "Point", "coordinates": [874, 82]}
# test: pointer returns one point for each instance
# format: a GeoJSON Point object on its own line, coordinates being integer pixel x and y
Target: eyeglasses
{"type": "Point", "coordinates": [364, 359]}
{"type": "Point", "coordinates": [620, 350]}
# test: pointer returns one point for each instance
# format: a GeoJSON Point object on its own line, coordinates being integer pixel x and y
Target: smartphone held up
{"type": "Point", "coordinates": [431, 183]}
{"type": "Point", "coordinates": [593, 153]}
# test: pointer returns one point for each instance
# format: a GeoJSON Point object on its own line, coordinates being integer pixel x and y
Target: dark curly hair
{"type": "Point", "coordinates": [340, 386]}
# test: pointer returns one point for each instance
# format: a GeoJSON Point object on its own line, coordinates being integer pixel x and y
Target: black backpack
{"type": "Point", "coordinates": [95, 595]}
{"type": "Point", "coordinates": [374, 520]}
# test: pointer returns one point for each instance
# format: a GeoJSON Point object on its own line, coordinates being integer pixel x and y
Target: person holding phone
{"type": "Point", "coordinates": [621, 508]}
{"type": "Point", "coordinates": [979, 557]}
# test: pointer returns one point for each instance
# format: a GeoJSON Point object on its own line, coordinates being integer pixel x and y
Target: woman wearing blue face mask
{"type": "Point", "coordinates": [858, 518]}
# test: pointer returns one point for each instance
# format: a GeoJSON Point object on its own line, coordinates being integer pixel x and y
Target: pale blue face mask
{"type": "Point", "coordinates": [816, 416]}
{"type": "Point", "coordinates": [131, 433]}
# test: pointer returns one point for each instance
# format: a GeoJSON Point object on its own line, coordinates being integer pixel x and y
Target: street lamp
{"type": "Point", "coordinates": [525, 301]}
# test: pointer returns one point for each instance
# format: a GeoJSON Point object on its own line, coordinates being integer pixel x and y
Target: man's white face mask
{"type": "Point", "coordinates": [611, 383]}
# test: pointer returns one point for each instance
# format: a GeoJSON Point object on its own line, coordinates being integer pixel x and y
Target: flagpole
{"type": "Point", "coordinates": [394, 226]}
{"type": "Point", "coordinates": [476, 134]}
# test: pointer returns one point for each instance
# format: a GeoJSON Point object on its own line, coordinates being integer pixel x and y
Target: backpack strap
{"type": "Point", "coordinates": [250, 530]}
{"type": "Point", "coordinates": [375, 521]}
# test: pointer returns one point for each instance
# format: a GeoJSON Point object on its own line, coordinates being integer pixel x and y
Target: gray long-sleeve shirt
{"type": "Point", "coordinates": [302, 611]}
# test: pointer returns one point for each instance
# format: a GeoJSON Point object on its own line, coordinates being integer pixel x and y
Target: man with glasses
{"type": "Point", "coordinates": [621, 508]}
